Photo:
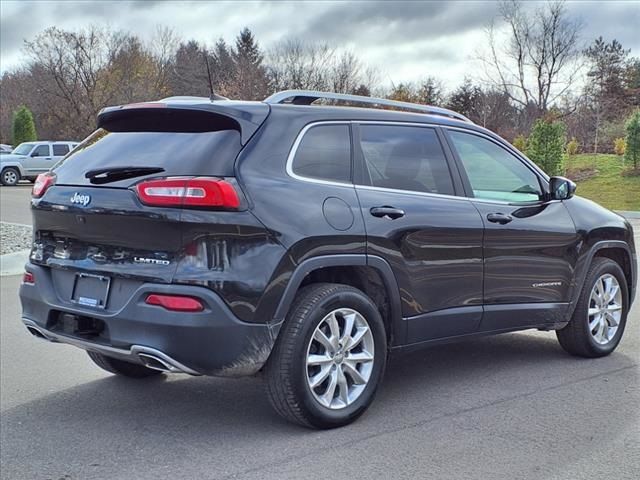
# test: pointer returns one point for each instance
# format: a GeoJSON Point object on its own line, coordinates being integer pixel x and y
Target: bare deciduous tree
{"type": "Point", "coordinates": [538, 62]}
{"type": "Point", "coordinates": [78, 73]}
{"type": "Point", "coordinates": [294, 64]}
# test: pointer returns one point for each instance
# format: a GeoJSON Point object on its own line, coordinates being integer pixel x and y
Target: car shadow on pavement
{"type": "Point", "coordinates": [463, 374]}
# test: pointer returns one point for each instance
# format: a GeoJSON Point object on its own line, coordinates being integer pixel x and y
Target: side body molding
{"type": "Point", "coordinates": [375, 262]}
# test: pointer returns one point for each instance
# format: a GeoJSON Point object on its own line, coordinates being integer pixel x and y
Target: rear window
{"type": "Point", "coordinates": [178, 153]}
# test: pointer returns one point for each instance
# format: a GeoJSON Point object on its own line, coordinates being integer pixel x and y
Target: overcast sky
{"type": "Point", "coordinates": [404, 40]}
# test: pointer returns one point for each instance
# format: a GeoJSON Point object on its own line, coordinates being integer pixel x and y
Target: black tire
{"type": "Point", "coordinates": [120, 367]}
{"type": "Point", "coordinates": [10, 176]}
{"type": "Point", "coordinates": [286, 371]}
{"type": "Point", "coordinates": [576, 337]}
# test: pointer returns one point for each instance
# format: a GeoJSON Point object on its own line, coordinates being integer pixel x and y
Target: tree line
{"type": "Point", "coordinates": [531, 69]}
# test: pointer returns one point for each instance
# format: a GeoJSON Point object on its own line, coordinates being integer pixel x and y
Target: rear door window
{"type": "Point", "coordinates": [60, 150]}
{"type": "Point", "coordinates": [324, 153]}
{"type": "Point", "coordinates": [403, 157]}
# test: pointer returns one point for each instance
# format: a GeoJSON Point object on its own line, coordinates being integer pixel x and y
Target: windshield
{"type": "Point", "coordinates": [23, 148]}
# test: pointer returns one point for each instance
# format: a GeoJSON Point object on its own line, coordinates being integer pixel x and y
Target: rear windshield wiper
{"type": "Point", "coordinates": [113, 174]}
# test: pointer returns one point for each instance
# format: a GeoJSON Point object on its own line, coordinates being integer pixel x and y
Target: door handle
{"type": "Point", "coordinates": [387, 212]}
{"type": "Point", "coordinates": [500, 218]}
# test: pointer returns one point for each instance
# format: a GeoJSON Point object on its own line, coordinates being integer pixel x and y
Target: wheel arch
{"type": "Point", "coordinates": [619, 252]}
{"type": "Point", "coordinates": [15, 165]}
{"type": "Point", "coordinates": [371, 274]}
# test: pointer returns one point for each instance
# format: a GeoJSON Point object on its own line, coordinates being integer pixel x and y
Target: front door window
{"type": "Point", "coordinates": [494, 173]}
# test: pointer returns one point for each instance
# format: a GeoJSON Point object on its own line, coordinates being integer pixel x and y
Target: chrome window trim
{"type": "Point", "coordinates": [306, 128]}
{"type": "Point", "coordinates": [294, 149]}
{"type": "Point", "coordinates": [411, 192]}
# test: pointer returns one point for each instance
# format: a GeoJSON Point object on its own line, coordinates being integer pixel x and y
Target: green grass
{"type": "Point", "coordinates": [608, 188]}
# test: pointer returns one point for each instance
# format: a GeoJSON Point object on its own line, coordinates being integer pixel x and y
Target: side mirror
{"type": "Point", "coordinates": [561, 188]}
{"type": "Point", "coordinates": [34, 154]}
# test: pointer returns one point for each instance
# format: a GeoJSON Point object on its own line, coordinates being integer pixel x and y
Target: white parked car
{"type": "Point", "coordinates": [29, 159]}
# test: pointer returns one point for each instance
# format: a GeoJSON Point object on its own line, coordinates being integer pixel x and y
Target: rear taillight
{"type": "Point", "coordinates": [175, 303]}
{"type": "Point", "coordinates": [188, 192]}
{"type": "Point", "coordinates": [28, 278]}
{"type": "Point", "coordinates": [42, 183]}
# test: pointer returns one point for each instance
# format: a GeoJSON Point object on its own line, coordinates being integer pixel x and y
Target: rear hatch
{"type": "Point", "coordinates": [115, 205]}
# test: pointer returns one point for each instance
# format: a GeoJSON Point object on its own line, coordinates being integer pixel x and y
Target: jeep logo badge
{"type": "Point", "coordinates": [78, 199]}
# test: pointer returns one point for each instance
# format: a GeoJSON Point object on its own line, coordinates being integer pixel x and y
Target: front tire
{"type": "Point", "coordinates": [120, 367]}
{"type": "Point", "coordinates": [329, 357]}
{"type": "Point", "coordinates": [10, 177]}
{"type": "Point", "coordinates": [598, 321]}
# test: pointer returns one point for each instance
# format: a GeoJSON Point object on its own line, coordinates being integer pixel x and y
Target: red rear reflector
{"type": "Point", "coordinates": [188, 192]}
{"type": "Point", "coordinates": [175, 303]}
{"type": "Point", "coordinates": [42, 183]}
{"type": "Point", "coordinates": [28, 277]}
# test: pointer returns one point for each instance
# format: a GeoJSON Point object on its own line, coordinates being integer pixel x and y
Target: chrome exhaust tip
{"type": "Point", "coordinates": [147, 356]}
{"type": "Point", "coordinates": [157, 360]}
{"type": "Point", "coordinates": [151, 361]}
{"type": "Point", "coordinates": [36, 333]}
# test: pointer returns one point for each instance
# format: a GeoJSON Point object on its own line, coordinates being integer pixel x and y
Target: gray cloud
{"type": "Point", "coordinates": [400, 21]}
{"type": "Point", "coordinates": [405, 39]}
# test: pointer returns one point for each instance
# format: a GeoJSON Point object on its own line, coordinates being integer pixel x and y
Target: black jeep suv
{"type": "Point", "coordinates": [216, 237]}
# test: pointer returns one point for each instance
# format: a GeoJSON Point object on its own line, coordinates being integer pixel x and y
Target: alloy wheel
{"type": "Point", "coordinates": [605, 309]}
{"type": "Point", "coordinates": [10, 177]}
{"type": "Point", "coordinates": [340, 358]}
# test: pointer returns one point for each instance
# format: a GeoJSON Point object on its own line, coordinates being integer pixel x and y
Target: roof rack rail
{"type": "Point", "coordinates": [307, 97]}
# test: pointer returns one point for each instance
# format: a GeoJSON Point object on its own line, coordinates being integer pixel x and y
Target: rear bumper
{"type": "Point", "coordinates": [211, 342]}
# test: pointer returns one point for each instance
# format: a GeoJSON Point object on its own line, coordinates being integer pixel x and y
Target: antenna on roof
{"type": "Point", "coordinates": [212, 95]}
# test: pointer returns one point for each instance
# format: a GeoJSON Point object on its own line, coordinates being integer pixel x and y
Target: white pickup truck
{"type": "Point", "coordinates": [29, 159]}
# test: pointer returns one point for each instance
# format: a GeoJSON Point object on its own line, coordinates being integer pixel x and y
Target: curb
{"type": "Point", "coordinates": [13, 263]}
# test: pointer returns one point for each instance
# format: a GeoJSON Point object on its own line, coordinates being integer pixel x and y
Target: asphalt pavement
{"type": "Point", "coordinates": [505, 407]}
{"type": "Point", "coordinates": [15, 203]}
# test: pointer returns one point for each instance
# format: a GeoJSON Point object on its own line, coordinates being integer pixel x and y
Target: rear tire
{"type": "Point", "coordinates": [596, 327]}
{"type": "Point", "coordinates": [10, 177]}
{"type": "Point", "coordinates": [329, 357]}
{"type": "Point", "coordinates": [120, 367]}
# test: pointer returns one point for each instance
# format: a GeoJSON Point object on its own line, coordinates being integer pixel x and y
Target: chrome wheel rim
{"type": "Point", "coordinates": [605, 309]}
{"type": "Point", "coordinates": [10, 176]}
{"type": "Point", "coordinates": [340, 358]}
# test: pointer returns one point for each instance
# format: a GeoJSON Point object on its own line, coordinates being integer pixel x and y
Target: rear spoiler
{"type": "Point", "coordinates": [186, 115]}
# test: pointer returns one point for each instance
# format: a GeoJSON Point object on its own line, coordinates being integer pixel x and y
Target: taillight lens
{"type": "Point", "coordinates": [175, 303]}
{"type": "Point", "coordinates": [28, 278]}
{"type": "Point", "coordinates": [42, 183]}
{"type": "Point", "coordinates": [188, 192]}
